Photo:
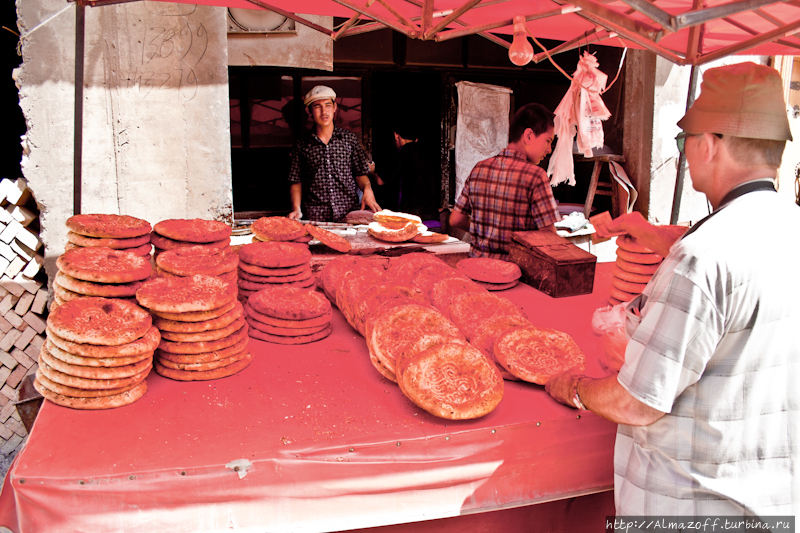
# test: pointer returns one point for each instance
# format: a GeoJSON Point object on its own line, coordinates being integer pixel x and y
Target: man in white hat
{"type": "Point", "coordinates": [328, 166]}
{"type": "Point", "coordinates": [708, 401]}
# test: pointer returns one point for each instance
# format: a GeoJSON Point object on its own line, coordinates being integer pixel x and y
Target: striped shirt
{"type": "Point", "coordinates": [327, 172]}
{"type": "Point", "coordinates": [717, 349]}
{"type": "Point", "coordinates": [504, 194]}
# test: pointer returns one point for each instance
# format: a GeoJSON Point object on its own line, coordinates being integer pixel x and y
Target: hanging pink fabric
{"type": "Point", "coordinates": [581, 111]}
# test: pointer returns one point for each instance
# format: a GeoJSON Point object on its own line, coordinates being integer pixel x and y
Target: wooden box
{"type": "Point", "coordinates": [552, 264]}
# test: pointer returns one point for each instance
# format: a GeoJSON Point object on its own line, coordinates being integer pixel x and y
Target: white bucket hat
{"type": "Point", "coordinates": [320, 92]}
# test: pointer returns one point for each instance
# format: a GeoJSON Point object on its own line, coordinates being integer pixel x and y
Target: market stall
{"type": "Point", "coordinates": [311, 438]}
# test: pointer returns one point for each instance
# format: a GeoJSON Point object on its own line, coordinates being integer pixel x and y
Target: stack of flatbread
{"type": "Point", "coordinates": [97, 354]}
{"type": "Point", "coordinates": [99, 271]}
{"type": "Point", "coordinates": [264, 265]}
{"type": "Point", "coordinates": [118, 232]}
{"type": "Point", "coordinates": [176, 233]}
{"type": "Point", "coordinates": [203, 331]}
{"type": "Point", "coordinates": [493, 274]}
{"type": "Point", "coordinates": [288, 315]}
{"type": "Point", "coordinates": [282, 229]}
{"type": "Point", "coordinates": [635, 266]}
{"type": "Point", "coordinates": [191, 260]}
{"type": "Point", "coordinates": [391, 226]}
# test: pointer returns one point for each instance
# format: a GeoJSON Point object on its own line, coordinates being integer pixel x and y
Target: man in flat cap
{"type": "Point", "coordinates": [708, 399]}
{"type": "Point", "coordinates": [328, 166]}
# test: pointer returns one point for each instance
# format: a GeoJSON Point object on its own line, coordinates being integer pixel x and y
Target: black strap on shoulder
{"type": "Point", "coordinates": [753, 186]}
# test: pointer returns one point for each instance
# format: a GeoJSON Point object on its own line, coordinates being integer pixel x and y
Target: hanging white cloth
{"type": "Point", "coordinates": [481, 126]}
{"type": "Point", "coordinates": [581, 111]}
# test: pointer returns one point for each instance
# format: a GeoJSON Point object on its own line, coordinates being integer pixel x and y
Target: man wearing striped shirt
{"type": "Point", "coordinates": [509, 192]}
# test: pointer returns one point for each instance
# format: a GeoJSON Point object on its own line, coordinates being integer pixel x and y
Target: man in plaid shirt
{"type": "Point", "coordinates": [328, 166]}
{"type": "Point", "coordinates": [509, 192]}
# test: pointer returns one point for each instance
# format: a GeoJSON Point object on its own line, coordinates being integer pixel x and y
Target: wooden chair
{"type": "Point", "coordinates": [603, 188]}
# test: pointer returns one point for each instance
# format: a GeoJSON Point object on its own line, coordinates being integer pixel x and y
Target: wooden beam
{"type": "Point", "coordinates": [408, 32]}
{"type": "Point", "coordinates": [750, 43]}
{"type": "Point", "coordinates": [466, 6]}
{"type": "Point", "coordinates": [292, 16]}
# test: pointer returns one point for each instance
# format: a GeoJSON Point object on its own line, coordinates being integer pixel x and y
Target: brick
{"type": "Point", "coordinates": [24, 303]}
{"type": "Point", "coordinates": [11, 286]}
{"type": "Point", "coordinates": [9, 339]}
{"type": "Point", "coordinates": [35, 322]}
{"type": "Point", "coordinates": [27, 284]}
{"type": "Point", "coordinates": [39, 302]}
{"type": "Point", "coordinates": [22, 358]}
{"type": "Point", "coordinates": [15, 320]}
{"type": "Point", "coordinates": [11, 445]}
{"type": "Point", "coordinates": [20, 249]}
{"type": "Point", "coordinates": [5, 325]}
{"type": "Point", "coordinates": [4, 263]}
{"type": "Point", "coordinates": [5, 433]}
{"type": "Point", "coordinates": [5, 216]}
{"type": "Point", "coordinates": [21, 214]}
{"type": "Point", "coordinates": [8, 234]}
{"type": "Point", "coordinates": [17, 191]}
{"type": "Point", "coordinates": [32, 370]}
{"type": "Point", "coordinates": [7, 252]}
{"type": "Point", "coordinates": [16, 427]}
{"type": "Point", "coordinates": [26, 237]}
{"type": "Point", "coordinates": [4, 373]}
{"type": "Point", "coordinates": [9, 392]}
{"type": "Point", "coordinates": [5, 412]}
{"type": "Point", "coordinates": [15, 267]}
{"type": "Point", "coordinates": [25, 338]}
{"type": "Point", "coordinates": [8, 303]}
{"type": "Point", "coordinates": [7, 360]}
{"type": "Point", "coordinates": [33, 350]}
{"type": "Point", "coordinates": [16, 376]}
{"type": "Point", "coordinates": [34, 266]}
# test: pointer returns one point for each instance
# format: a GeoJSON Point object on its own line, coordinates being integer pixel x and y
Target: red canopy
{"type": "Point", "coordinates": [682, 31]}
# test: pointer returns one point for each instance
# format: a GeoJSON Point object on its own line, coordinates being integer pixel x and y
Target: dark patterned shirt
{"type": "Point", "coordinates": [503, 194]}
{"type": "Point", "coordinates": [327, 172]}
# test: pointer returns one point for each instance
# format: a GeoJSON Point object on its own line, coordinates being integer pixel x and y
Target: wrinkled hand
{"type": "Point", "coordinates": [368, 200]}
{"type": "Point", "coordinates": [562, 386]}
{"type": "Point", "coordinates": [295, 215]}
{"type": "Point", "coordinates": [633, 224]}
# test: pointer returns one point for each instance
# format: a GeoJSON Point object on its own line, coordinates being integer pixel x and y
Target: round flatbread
{"type": "Point", "coordinates": [255, 287]}
{"type": "Point", "coordinates": [470, 309]}
{"type": "Point", "coordinates": [204, 375]}
{"type": "Point", "coordinates": [637, 258]}
{"type": "Point", "coordinates": [399, 333]}
{"type": "Point", "coordinates": [285, 323]}
{"type": "Point", "coordinates": [200, 366]}
{"type": "Point", "coordinates": [88, 288]}
{"type": "Point", "coordinates": [141, 251]}
{"type": "Point", "coordinates": [452, 381]}
{"type": "Point", "coordinates": [383, 296]}
{"type": "Point", "coordinates": [289, 303]}
{"type": "Point", "coordinates": [329, 239]}
{"type": "Point", "coordinates": [204, 336]}
{"type": "Point", "coordinates": [444, 291]}
{"type": "Point", "coordinates": [352, 291]}
{"type": "Point", "coordinates": [628, 286]}
{"type": "Point", "coordinates": [430, 237]}
{"type": "Point", "coordinates": [190, 260]}
{"type": "Point", "coordinates": [626, 242]}
{"type": "Point", "coordinates": [426, 277]}
{"type": "Point", "coordinates": [402, 234]}
{"type": "Point", "coordinates": [93, 403]}
{"type": "Point", "coordinates": [622, 296]}
{"type": "Point", "coordinates": [275, 254]}
{"type": "Point", "coordinates": [497, 286]}
{"type": "Point", "coordinates": [359, 217]}
{"type": "Point", "coordinates": [382, 370]}
{"type": "Point", "coordinates": [294, 339]}
{"type": "Point", "coordinates": [303, 275]}
{"type": "Point", "coordinates": [94, 372]}
{"type": "Point", "coordinates": [102, 321]}
{"type": "Point", "coordinates": [108, 226]}
{"type": "Point", "coordinates": [223, 353]}
{"type": "Point", "coordinates": [613, 301]}
{"type": "Point", "coordinates": [277, 229]}
{"type": "Point", "coordinates": [228, 277]}
{"type": "Point", "coordinates": [178, 326]}
{"type": "Point", "coordinates": [487, 334]}
{"type": "Point", "coordinates": [193, 230]}
{"type": "Point", "coordinates": [188, 348]}
{"type": "Point", "coordinates": [185, 294]}
{"type": "Point", "coordinates": [58, 388]}
{"type": "Point", "coordinates": [87, 383]}
{"type": "Point", "coordinates": [145, 344]}
{"type": "Point", "coordinates": [334, 270]}
{"type": "Point", "coordinates": [393, 219]}
{"type": "Point", "coordinates": [635, 268]}
{"type": "Point", "coordinates": [104, 362]}
{"type": "Point", "coordinates": [164, 244]}
{"type": "Point", "coordinates": [82, 240]}
{"type": "Point", "coordinates": [195, 316]}
{"type": "Point", "coordinates": [66, 295]}
{"type": "Point", "coordinates": [274, 272]}
{"type": "Point", "coordinates": [402, 269]}
{"type": "Point", "coordinates": [630, 276]}
{"type": "Point", "coordinates": [534, 354]}
{"type": "Point", "coordinates": [104, 265]}
{"type": "Point", "coordinates": [489, 270]}
{"type": "Point", "coordinates": [284, 332]}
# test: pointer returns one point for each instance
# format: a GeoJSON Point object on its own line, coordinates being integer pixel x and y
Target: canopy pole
{"type": "Point", "coordinates": [676, 199]}
{"type": "Point", "coordinates": [80, 34]}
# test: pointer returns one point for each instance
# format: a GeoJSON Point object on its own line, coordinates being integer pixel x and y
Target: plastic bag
{"type": "Point", "coordinates": [609, 323]}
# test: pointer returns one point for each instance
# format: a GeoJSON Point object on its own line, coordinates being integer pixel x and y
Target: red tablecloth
{"type": "Point", "coordinates": [324, 443]}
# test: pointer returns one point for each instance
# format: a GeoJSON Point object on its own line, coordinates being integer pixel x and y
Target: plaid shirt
{"type": "Point", "coordinates": [716, 349]}
{"type": "Point", "coordinates": [327, 172]}
{"type": "Point", "coordinates": [503, 194]}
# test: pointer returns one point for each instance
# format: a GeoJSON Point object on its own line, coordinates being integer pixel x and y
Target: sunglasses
{"type": "Point", "coordinates": [680, 140]}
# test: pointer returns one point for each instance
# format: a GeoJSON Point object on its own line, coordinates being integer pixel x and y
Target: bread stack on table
{"type": "Point", "coordinates": [281, 229]}
{"type": "Point", "coordinates": [118, 232]}
{"type": "Point", "coordinates": [176, 233]}
{"type": "Point", "coordinates": [635, 266]}
{"type": "Point", "coordinates": [97, 354]}
{"type": "Point", "coordinates": [190, 260]}
{"type": "Point", "coordinates": [288, 315]}
{"type": "Point", "coordinates": [445, 340]}
{"type": "Point", "coordinates": [203, 331]}
{"type": "Point", "coordinates": [491, 274]}
{"type": "Point", "coordinates": [391, 226]}
{"type": "Point", "coordinates": [264, 265]}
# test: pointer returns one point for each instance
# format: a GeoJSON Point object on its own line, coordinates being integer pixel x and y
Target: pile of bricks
{"type": "Point", "coordinates": [23, 304]}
